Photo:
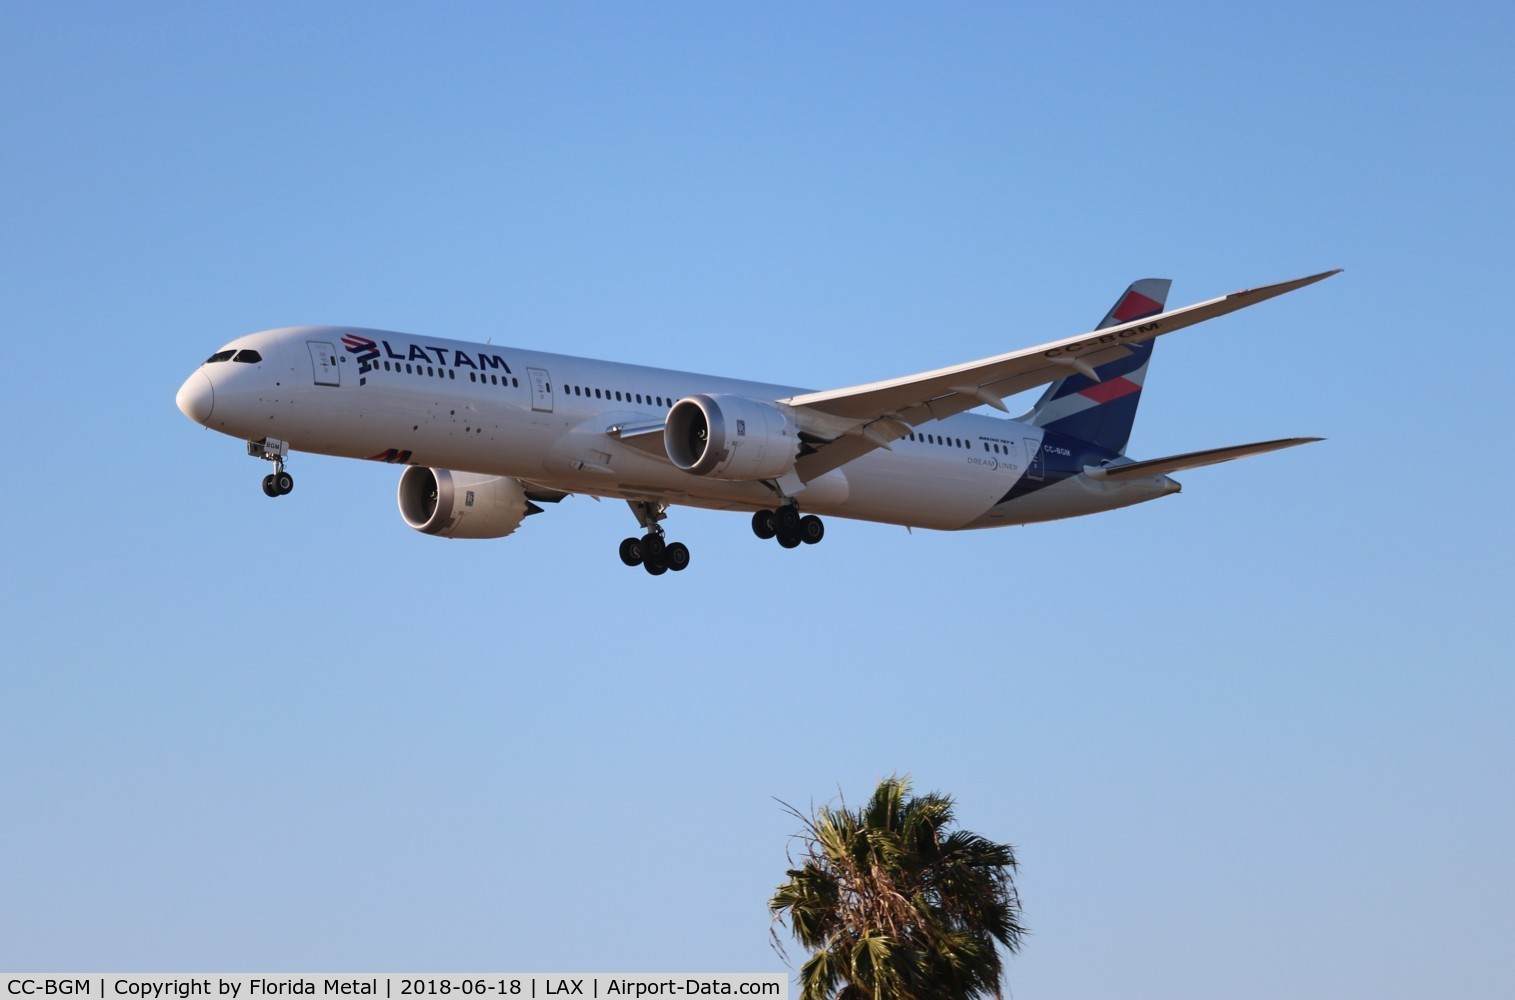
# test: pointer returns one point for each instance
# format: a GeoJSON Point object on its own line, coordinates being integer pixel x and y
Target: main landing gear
{"type": "Point", "coordinates": [652, 551]}
{"type": "Point", "coordinates": [786, 524]}
{"type": "Point", "coordinates": [277, 483]}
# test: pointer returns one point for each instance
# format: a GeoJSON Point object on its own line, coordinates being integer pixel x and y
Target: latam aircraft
{"type": "Point", "coordinates": [487, 434]}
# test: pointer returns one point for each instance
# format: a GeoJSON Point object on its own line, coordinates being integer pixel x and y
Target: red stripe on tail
{"type": "Point", "coordinates": [1115, 388]}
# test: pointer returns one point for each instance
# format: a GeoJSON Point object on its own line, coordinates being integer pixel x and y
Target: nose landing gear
{"type": "Point", "coordinates": [279, 482]}
{"type": "Point", "coordinates": [652, 551]}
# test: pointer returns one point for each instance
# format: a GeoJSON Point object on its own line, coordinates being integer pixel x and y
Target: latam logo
{"type": "Point", "coordinates": [368, 352]}
{"type": "Point", "coordinates": [365, 349]}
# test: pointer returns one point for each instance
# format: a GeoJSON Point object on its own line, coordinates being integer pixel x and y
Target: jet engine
{"type": "Point", "coordinates": [730, 437]}
{"type": "Point", "coordinates": [461, 504]}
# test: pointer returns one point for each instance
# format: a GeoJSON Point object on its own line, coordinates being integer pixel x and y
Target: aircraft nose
{"type": "Point", "coordinates": [196, 397]}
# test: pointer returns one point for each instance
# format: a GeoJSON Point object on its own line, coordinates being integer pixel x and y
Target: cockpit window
{"type": "Point", "coordinates": [219, 356]}
{"type": "Point", "coordinates": [248, 357]}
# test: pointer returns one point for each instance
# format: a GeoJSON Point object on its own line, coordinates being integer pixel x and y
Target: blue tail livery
{"type": "Point", "coordinates": [1101, 412]}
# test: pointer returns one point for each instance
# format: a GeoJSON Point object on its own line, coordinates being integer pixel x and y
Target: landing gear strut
{"type": "Point", "coordinates": [786, 524]}
{"type": "Point", "coordinates": [652, 551]}
{"type": "Point", "coordinates": [277, 483]}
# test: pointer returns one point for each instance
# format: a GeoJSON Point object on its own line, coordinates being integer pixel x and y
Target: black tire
{"type": "Point", "coordinates": [631, 551]}
{"type": "Point", "coordinates": [653, 546]}
{"type": "Point", "coordinates": [789, 541]}
{"type": "Point", "coordinates": [676, 556]}
{"type": "Point", "coordinates": [284, 483]}
{"type": "Point", "coordinates": [269, 489]}
{"type": "Point", "coordinates": [655, 568]}
{"type": "Point", "coordinates": [812, 529]}
{"type": "Point", "coordinates": [786, 520]}
{"type": "Point", "coordinates": [762, 524]}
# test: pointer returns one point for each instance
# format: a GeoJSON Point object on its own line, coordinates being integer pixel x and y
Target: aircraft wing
{"type": "Point", "coordinates": [844, 424]}
{"type": "Point", "coordinates": [1193, 459]}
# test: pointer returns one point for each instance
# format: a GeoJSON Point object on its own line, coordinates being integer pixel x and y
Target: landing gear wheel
{"type": "Point", "coordinates": [655, 567]}
{"type": "Point", "coordinates": [762, 524]}
{"type": "Point", "coordinates": [283, 483]}
{"type": "Point", "coordinates": [786, 520]}
{"type": "Point", "coordinates": [653, 546]}
{"type": "Point", "coordinates": [631, 551]}
{"type": "Point", "coordinates": [789, 541]}
{"type": "Point", "coordinates": [269, 487]}
{"type": "Point", "coordinates": [812, 529]}
{"type": "Point", "coordinates": [676, 556]}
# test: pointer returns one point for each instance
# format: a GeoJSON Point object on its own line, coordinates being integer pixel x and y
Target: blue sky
{"type": "Point", "coordinates": [1252, 741]}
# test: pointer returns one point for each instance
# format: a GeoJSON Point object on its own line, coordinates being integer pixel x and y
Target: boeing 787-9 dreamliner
{"type": "Point", "coordinates": [488, 434]}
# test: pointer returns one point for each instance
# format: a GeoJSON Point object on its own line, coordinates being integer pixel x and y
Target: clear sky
{"type": "Point", "coordinates": [1250, 741]}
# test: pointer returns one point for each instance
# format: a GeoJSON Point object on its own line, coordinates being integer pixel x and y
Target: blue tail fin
{"type": "Point", "coordinates": [1102, 412]}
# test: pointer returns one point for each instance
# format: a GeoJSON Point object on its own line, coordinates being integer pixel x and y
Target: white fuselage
{"type": "Point", "coordinates": [546, 419]}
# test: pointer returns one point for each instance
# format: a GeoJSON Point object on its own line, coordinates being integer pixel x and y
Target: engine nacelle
{"type": "Point", "coordinates": [730, 437]}
{"type": "Point", "coordinates": [461, 504]}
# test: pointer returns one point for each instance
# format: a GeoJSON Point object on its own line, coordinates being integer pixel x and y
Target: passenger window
{"type": "Point", "coordinates": [639, 397]}
{"type": "Point", "coordinates": [515, 383]}
{"type": "Point", "coordinates": [618, 398]}
{"type": "Point", "coordinates": [219, 356]}
{"type": "Point", "coordinates": [407, 369]}
{"type": "Point", "coordinates": [451, 373]}
{"type": "Point", "coordinates": [248, 357]}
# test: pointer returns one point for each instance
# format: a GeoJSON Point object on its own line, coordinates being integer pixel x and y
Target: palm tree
{"type": "Point", "coordinates": [895, 907]}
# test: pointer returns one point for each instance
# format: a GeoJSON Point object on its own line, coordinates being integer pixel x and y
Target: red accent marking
{"type": "Point", "coordinates": [1103, 392]}
{"type": "Point", "coordinates": [1134, 306]}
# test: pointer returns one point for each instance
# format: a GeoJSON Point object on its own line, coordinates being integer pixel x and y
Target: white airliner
{"type": "Point", "coordinates": [488, 433]}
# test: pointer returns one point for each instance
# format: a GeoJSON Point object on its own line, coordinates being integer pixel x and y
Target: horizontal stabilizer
{"type": "Point", "coordinates": [1193, 459]}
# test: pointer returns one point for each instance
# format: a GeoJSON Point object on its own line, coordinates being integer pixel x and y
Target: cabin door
{"type": "Point", "coordinates": [323, 358]}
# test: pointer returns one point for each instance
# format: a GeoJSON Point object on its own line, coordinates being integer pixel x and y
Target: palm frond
{"type": "Point", "coordinates": [894, 904]}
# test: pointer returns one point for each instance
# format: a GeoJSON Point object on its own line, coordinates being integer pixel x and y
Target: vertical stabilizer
{"type": "Point", "coordinates": [1102, 412]}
